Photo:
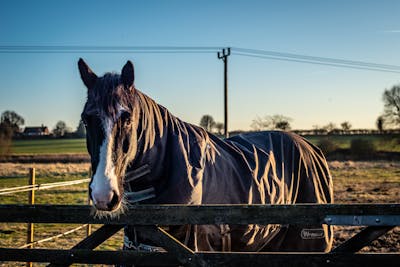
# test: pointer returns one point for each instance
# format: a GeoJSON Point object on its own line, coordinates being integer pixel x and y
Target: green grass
{"type": "Point", "coordinates": [387, 143]}
{"type": "Point", "coordinates": [74, 194]}
{"type": "Point", "coordinates": [49, 146]}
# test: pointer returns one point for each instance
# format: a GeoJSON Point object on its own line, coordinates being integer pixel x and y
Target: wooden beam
{"type": "Point", "coordinates": [363, 238]}
{"type": "Point", "coordinates": [162, 238]}
{"type": "Point", "coordinates": [88, 256]}
{"type": "Point", "coordinates": [206, 214]}
{"type": "Point", "coordinates": [93, 241]}
{"type": "Point", "coordinates": [211, 258]}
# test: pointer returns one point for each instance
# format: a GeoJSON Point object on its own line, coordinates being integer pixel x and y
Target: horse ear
{"type": "Point", "coordinates": [128, 74]}
{"type": "Point", "coordinates": [87, 75]}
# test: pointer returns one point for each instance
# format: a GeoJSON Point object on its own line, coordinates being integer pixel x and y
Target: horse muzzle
{"type": "Point", "coordinates": [106, 201]}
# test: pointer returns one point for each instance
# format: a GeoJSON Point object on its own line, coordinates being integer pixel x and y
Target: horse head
{"type": "Point", "coordinates": [111, 127]}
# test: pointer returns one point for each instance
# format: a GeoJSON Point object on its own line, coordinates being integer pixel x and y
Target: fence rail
{"type": "Point", "coordinates": [210, 259]}
{"type": "Point", "coordinates": [24, 188]}
{"type": "Point", "coordinates": [302, 214]}
{"type": "Point", "coordinates": [380, 218]}
{"type": "Point", "coordinates": [54, 236]}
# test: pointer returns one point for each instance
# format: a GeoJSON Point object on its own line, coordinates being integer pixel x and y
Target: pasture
{"type": "Point", "coordinates": [386, 143]}
{"type": "Point", "coordinates": [49, 146]}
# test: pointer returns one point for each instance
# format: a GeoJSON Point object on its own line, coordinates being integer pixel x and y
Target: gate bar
{"type": "Point", "coordinates": [299, 214]}
{"type": "Point", "coordinates": [362, 239]}
{"type": "Point", "coordinates": [211, 258]}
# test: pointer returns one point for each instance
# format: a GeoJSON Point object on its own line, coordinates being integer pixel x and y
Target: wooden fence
{"type": "Point", "coordinates": [31, 188]}
{"type": "Point", "coordinates": [378, 218]}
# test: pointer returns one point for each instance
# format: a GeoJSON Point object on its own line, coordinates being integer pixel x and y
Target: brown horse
{"type": "Point", "coordinates": [140, 151]}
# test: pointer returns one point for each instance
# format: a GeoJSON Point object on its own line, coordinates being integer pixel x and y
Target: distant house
{"type": "Point", "coordinates": [36, 131]}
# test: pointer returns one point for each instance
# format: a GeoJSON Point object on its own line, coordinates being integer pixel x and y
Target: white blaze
{"type": "Point", "coordinates": [105, 181]}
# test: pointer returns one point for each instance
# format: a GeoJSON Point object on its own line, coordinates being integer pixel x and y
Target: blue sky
{"type": "Point", "coordinates": [45, 88]}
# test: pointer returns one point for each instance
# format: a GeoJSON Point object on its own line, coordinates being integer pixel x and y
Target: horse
{"type": "Point", "coordinates": [138, 149]}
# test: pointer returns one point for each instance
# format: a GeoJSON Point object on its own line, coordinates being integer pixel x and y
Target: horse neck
{"type": "Point", "coordinates": [175, 156]}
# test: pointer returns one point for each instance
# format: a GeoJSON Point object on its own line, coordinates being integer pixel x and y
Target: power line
{"type": "Point", "coordinates": [106, 49]}
{"type": "Point", "coordinates": [315, 63]}
{"type": "Point", "coordinates": [310, 59]}
{"type": "Point", "coordinates": [255, 53]}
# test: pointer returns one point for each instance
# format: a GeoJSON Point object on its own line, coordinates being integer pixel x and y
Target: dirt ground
{"type": "Point", "coordinates": [367, 182]}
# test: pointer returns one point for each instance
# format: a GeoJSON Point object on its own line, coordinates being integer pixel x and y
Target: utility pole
{"type": "Point", "coordinates": [224, 56]}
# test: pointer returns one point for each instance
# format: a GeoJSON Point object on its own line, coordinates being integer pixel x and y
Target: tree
{"type": "Point", "coordinates": [207, 122]}
{"type": "Point", "coordinates": [318, 130]}
{"type": "Point", "coordinates": [81, 130]}
{"type": "Point", "coordinates": [330, 127]}
{"type": "Point", "coordinates": [219, 126]}
{"type": "Point", "coordinates": [283, 125]}
{"type": "Point", "coordinates": [346, 126]}
{"type": "Point", "coordinates": [271, 122]}
{"type": "Point", "coordinates": [6, 134]}
{"type": "Point", "coordinates": [259, 124]}
{"type": "Point", "coordinates": [12, 120]}
{"type": "Point", "coordinates": [391, 100]}
{"type": "Point", "coordinates": [380, 123]}
{"type": "Point", "coordinates": [60, 129]}
{"type": "Point", "coordinates": [278, 122]}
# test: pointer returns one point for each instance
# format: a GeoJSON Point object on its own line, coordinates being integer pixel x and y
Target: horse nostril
{"type": "Point", "coordinates": [114, 201]}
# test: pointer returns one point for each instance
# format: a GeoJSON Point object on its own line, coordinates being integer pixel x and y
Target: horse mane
{"type": "Point", "coordinates": [149, 116]}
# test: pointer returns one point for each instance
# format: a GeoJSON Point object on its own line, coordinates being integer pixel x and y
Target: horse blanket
{"type": "Point", "coordinates": [187, 165]}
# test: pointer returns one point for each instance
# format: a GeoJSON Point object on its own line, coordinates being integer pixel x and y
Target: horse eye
{"type": "Point", "coordinates": [126, 117]}
{"type": "Point", "coordinates": [125, 146]}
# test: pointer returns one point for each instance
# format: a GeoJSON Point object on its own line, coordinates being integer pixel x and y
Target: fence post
{"type": "Point", "coordinates": [89, 226]}
{"type": "Point", "coordinates": [31, 199]}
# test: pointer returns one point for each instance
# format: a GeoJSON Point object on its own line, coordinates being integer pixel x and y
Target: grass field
{"type": "Point", "coordinates": [78, 146]}
{"type": "Point", "coordinates": [387, 143]}
{"type": "Point", "coordinates": [49, 146]}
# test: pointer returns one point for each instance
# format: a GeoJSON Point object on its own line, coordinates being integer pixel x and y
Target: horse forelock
{"type": "Point", "coordinates": [109, 97]}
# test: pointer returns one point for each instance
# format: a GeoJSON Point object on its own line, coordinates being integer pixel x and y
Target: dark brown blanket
{"type": "Point", "coordinates": [187, 165]}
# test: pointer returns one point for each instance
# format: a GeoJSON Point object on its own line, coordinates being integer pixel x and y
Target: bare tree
{"type": "Point", "coordinates": [346, 126]}
{"type": "Point", "coordinates": [12, 120]}
{"type": "Point", "coordinates": [330, 127]}
{"type": "Point", "coordinates": [283, 125]}
{"type": "Point", "coordinates": [60, 129]}
{"type": "Point", "coordinates": [259, 124]}
{"type": "Point", "coordinates": [271, 122]}
{"type": "Point", "coordinates": [219, 126]}
{"type": "Point", "coordinates": [391, 100]}
{"type": "Point", "coordinates": [280, 122]}
{"type": "Point", "coordinates": [6, 133]}
{"type": "Point", "coordinates": [380, 121]}
{"type": "Point", "coordinates": [207, 122]}
{"type": "Point", "coordinates": [318, 130]}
